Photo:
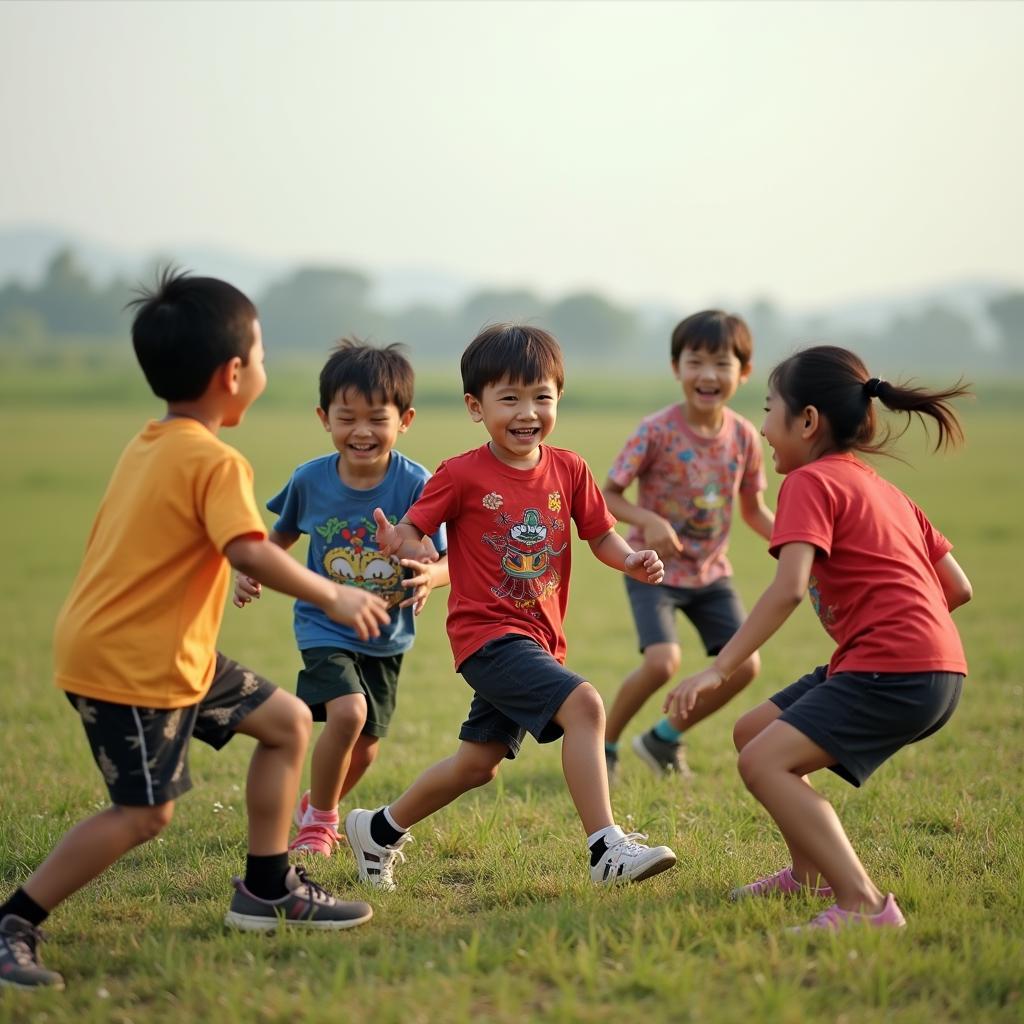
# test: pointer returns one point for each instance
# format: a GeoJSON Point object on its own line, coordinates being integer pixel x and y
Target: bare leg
{"type": "Point", "coordinates": [709, 703]}
{"type": "Point", "coordinates": [282, 726]}
{"type": "Point", "coordinates": [472, 765]}
{"type": "Point", "coordinates": [364, 753]}
{"type": "Point", "coordinates": [772, 765]}
{"type": "Point", "coordinates": [91, 847]}
{"type": "Point", "coordinates": [332, 752]}
{"type": "Point", "coordinates": [750, 725]}
{"type": "Point", "coordinates": [581, 716]}
{"type": "Point", "coordinates": [660, 664]}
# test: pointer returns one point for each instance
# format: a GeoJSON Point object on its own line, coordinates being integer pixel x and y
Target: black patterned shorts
{"type": "Point", "coordinates": [142, 753]}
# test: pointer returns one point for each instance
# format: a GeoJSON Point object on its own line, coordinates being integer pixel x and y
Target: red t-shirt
{"type": "Point", "coordinates": [509, 543]}
{"type": "Point", "coordinates": [873, 584]}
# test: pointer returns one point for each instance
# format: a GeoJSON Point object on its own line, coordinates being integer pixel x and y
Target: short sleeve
{"type": "Point", "coordinates": [226, 502]}
{"type": "Point", "coordinates": [439, 538]}
{"type": "Point", "coordinates": [805, 513]}
{"type": "Point", "coordinates": [437, 505]}
{"type": "Point", "coordinates": [287, 503]}
{"type": "Point", "coordinates": [589, 509]}
{"type": "Point", "coordinates": [636, 455]}
{"type": "Point", "coordinates": [937, 545]}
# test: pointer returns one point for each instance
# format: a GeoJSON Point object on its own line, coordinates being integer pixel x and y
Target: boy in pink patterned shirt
{"type": "Point", "coordinates": [691, 461]}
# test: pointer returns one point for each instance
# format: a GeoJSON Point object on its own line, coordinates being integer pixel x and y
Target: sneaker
{"type": "Point", "coordinates": [19, 961]}
{"type": "Point", "coordinates": [782, 883]}
{"type": "Point", "coordinates": [631, 861]}
{"type": "Point", "coordinates": [661, 756]}
{"type": "Point", "coordinates": [315, 838]}
{"type": "Point", "coordinates": [376, 863]}
{"type": "Point", "coordinates": [611, 763]}
{"type": "Point", "coordinates": [835, 918]}
{"type": "Point", "coordinates": [305, 905]}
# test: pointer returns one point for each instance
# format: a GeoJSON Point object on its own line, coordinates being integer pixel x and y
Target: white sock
{"type": "Point", "coordinates": [391, 821]}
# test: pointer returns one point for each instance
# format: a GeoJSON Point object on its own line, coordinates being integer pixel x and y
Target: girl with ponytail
{"type": "Point", "coordinates": [882, 582]}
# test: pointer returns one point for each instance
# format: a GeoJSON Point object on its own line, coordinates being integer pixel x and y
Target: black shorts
{"type": "Point", "coordinates": [331, 672]}
{"type": "Point", "coordinates": [518, 689]}
{"type": "Point", "coordinates": [714, 610]}
{"type": "Point", "coordinates": [863, 718]}
{"type": "Point", "coordinates": [142, 753]}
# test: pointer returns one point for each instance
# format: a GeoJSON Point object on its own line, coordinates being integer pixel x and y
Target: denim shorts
{"type": "Point", "coordinates": [518, 688]}
{"type": "Point", "coordinates": [714, 610]}
{"type": "Point", "coordinates": [142, 753]}
{"type": "Point", "coordinates": [330, 672]}
{"type": "Point", "coordinates": [863, 718]}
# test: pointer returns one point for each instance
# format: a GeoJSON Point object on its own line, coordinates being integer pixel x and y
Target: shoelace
{"type": "Point", "coordinates": [393, 855]}
{"type": "Point", "coordinates": [629, 845]}
{"type": "Point", "coordinates": [22, 944]}
{"type": "Point", "coordinates": [315, 892]}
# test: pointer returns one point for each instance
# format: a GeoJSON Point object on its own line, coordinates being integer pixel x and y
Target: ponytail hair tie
{"type": "Point", "coordinates": [873, 386]}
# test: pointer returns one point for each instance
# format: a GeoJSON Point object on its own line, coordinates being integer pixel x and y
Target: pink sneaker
{"type": "Point", "coordinates": [782, 883]}
{"type": "Point", "coordinates": [315, 838]}
{"type": "Point", "coordinates": [300, 810]}
{"type": "Point", "coordinates": [835, 918]}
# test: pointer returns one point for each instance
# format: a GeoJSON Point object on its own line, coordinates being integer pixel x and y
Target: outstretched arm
{"type": "Point", "coordinates": [955, 584]}
{"type": "Point", "coordinates": [264, 561]}
{"type": "Point", "coordinates": [246, 588]}
{"type": "Point", "coordinates": [644, 566]}
{"type": "Point", "coordinates": [402, 539]}
{"type": "Point", "coordinates": [427, 576]}
{"type": "Point", "coordinates": [659, 533]}
{"type": "Point", "coordinates": [773, 607]}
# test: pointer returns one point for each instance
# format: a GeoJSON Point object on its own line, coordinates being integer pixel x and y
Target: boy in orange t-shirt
{"type": "Point", "coordinates": [134, 646]}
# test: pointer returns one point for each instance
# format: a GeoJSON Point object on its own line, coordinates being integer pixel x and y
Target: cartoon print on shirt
{"type": "Point", "coordinates": [706, 513]}
{"type": "Point", "coordinates": [358, 564]}
{"type": "Point", "coordinates": [826, 614]}
{"type": "Point", "coordinates": [526, 554]}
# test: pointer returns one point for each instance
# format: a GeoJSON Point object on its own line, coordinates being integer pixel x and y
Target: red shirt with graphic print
{"type": "Point", "coordinates": [509, 550]}
{"type": "Point", "coordinates": [873, 583]}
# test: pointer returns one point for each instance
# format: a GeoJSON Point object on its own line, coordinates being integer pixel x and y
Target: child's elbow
{"type": "Point", "coordinates": [961, 595]}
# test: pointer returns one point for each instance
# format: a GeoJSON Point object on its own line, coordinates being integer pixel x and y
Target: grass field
{"type": "Point", "coordinates": [495, 919]}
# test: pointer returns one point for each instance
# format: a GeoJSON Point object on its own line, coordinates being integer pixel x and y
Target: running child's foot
{"type": "Point", "coordinates": [782, 883]}
{"type": "Point", "coordinates": [835, 918]}
{"type": "Point", "coordinates": [305, 905]}
{"type": "Point", "coordinates": [376, 863]}
{"type": "Point", "coordinates": [661, 756]}
{"type": "Point", "coordinates": [631, 861]}
{"type": "Point", "coordinates": [20, 966]}
{"type": "Point", "coordinates": [315, 838]}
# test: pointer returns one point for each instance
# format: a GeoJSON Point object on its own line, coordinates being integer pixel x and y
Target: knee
{"type": "Point", "coordinates": [584, 709]}
{"type": "Point", "coordinates": [295, 724]}
{"type": "Point", "coordinates": [751, 767]}
{"type": "Point", "coordinates": [347, 715]}
{"type": "Point", "coordinates": [476, 771]}
{"type": "Point", "coordinates": [662, 662]}
{"type": "Point", "coordinates": [147, 823]}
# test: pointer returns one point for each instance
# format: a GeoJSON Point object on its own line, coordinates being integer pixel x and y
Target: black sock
{"type": "Point", "coordinates": [22, 905]}
{"type": "Point", "coordinates": [382, 832]}
{"type": "Point", "coordinates": [264, 876]}
{"type": "Point", "coordinates": [597, 851]}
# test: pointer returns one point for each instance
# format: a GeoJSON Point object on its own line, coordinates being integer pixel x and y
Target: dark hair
{"type": "Point", "coordinates": [185, 327]}
{"type": "Point", "coordinates": [373, 372]}
{"type": "Point", "coordinates": [713, 330]}
{"type": "Point", "coordinates": [838, 385]}
{"type": "Point", "coordinates": [525, 354]}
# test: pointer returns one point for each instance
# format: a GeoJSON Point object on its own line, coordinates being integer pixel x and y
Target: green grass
{"type": "Point", "coordinates": [495, 920]}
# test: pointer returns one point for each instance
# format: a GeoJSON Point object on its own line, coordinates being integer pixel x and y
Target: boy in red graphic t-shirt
{"type": "Point", "coordinates": [507, 506]}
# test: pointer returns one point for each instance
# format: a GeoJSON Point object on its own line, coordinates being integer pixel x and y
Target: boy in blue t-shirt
{"type": "Point", "coordinates": [350, 684]}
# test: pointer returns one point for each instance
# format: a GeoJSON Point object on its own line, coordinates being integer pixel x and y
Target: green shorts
{"type": "Point", "coordinates": [330, 672]}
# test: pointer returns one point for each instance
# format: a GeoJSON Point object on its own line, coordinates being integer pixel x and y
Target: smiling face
{"type": "Point", "coordinates": [364, 432]}
{"type": "Point", "coordinates": [709, 380]}
{"type": "Point", "coordinates": [785, 433]}
{"type": "Point", "coordinates": [518, 417]}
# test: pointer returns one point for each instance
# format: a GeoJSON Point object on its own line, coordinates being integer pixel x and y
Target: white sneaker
{"type": "Point", "coordinates": [631, 861]}
{"type": "Point", "coordinates": [376, 864]}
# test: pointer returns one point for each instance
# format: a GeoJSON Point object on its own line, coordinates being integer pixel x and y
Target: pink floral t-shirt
{"type": "Point", "coordinates": [692, 481]}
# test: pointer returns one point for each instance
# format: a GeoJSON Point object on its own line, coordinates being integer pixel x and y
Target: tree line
{"type": "Point", "coordinates": [311, 307]}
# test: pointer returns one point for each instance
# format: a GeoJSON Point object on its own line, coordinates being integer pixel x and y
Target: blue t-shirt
{"type": "Point", "coordinates": [342, 546]}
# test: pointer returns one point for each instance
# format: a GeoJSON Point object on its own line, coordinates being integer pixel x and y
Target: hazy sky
{"type": "Point", "coordinates": [813, 151]}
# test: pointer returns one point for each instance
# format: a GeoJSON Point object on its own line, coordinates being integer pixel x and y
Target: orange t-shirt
{"type": "Point", "coordinates": [140, 624]}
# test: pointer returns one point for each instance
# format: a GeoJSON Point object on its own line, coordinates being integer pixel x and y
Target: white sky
{"type": "Point", "coordinates": [811, 151]}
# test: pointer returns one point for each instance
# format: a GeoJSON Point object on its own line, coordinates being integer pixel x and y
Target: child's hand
{"type": "Point", "coordinates": [681, 700]}
{"type": "Point", "coordinates": [388, 538]}
{"type": "Point", "coordinates": [246, 589]}
{"type": "Point", "coordinates": [420, 584]}
{"type": "Point", "coordinates": [661, 535]}
{"type": "Point", "coordinates": [645, 566]}
{"type": "Point", "coordinates": [359, 609]}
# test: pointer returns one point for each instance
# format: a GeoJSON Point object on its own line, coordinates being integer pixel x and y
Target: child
{"type": "Point", "coordinates": [347, 681]}
{"type": "Point", "coordinates": [134, 643]}
{"type": "Point", "coordinates": [883, 582]}
{"type": "Point", "coordinates": [507, 506]}
{"type": "Point", "coordinates": [691, 460]}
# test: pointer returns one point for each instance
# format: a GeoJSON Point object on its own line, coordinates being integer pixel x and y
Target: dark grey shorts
{"type": "Point", "coordinates": [142, 753]}
{"type": "Point", "coordinates": [714, 610]}
{"type": "Point", "coordinates": [331, 672]}
{"type": "Point", "coordinates": [863, 718]}
{"type": "Point", "coordinates": [518, 689]}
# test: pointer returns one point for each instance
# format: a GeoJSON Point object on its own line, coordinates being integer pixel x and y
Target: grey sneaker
{"type": "Point", "coordinates": [19, 961]}
{"type": "Point", "coordinates": [376, 864]}
{"type": "Point", "coordinates": [661, 756]}
{"type": "Point", "coordinates": [611, 762]}
{"type": "Point", "coordinates": [306, 905]}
